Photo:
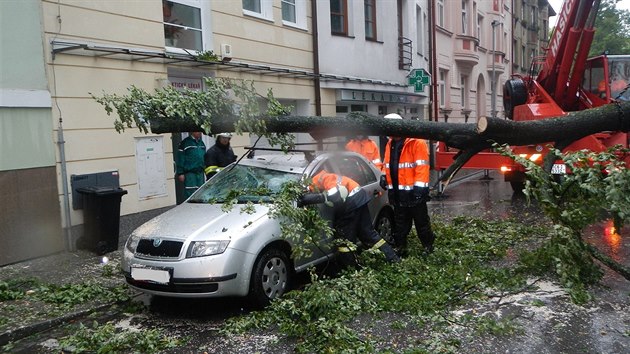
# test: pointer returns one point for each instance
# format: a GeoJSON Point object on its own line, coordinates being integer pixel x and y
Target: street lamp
{"type": "Point", "coordinates": [493, 97]}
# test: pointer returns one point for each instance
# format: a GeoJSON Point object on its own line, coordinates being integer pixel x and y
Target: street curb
{"type": "Point", "coordinates": [25, 331]}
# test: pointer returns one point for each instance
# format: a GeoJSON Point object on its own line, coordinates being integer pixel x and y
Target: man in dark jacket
{"type": "Point", "coordinates": [190, 162]}
{"type": "Point", "coordinates": [219, 155]}
{"type": "Point", "coordinates": [352, 214]}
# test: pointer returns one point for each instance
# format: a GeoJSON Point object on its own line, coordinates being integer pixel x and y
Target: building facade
{"type": "Point", "coordinates": [530, 33]}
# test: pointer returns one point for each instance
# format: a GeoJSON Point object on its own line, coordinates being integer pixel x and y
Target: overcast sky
{"type": "Point", "coordinates": [557, 6]}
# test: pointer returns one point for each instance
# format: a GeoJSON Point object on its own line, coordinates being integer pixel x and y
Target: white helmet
{"type": "Point", "coordinates": [393, 116]}
{"type": "Point", "coordinates": [224, 135]}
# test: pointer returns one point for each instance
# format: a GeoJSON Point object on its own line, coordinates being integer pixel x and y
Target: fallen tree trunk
{"type": "Point", "coordinates": [573, 126]}
{"type": "Point", "coordinates": [468, 138]}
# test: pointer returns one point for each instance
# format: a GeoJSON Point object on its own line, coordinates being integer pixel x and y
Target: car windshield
{"type": "Point", "coordinates": [245, 183]}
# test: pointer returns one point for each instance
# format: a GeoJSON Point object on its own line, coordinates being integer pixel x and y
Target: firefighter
{"type": "Point", "coordinates": [406, 167]}
{"type": "Point", "coordinates": [219, 155]}
{"type": "Point", "coordinates": [351, 214]}
{"type": "Point", "coordinates": [190, 163]}
{"type": "Point", "coordinates": [366, 147]}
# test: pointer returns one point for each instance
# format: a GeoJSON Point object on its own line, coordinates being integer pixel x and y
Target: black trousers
{"type": "Point", "coordinates": [357, 225]}
{"type": "Point", "coordinates": [418, 215]}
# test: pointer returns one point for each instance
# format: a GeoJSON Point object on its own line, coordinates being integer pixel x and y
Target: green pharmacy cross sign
{"type": "Point", "coordinates": [419, 78]}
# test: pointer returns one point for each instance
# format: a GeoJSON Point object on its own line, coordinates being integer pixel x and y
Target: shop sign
{"type": "Point", "coordinates": [374, 96]}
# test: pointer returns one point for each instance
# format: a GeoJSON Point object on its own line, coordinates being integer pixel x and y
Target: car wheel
{"type": "Point", "coordinates": [385, 226]}
{"type": "Point", "coordinates": [270, 277]}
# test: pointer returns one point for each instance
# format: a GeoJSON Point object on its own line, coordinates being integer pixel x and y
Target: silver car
{"type": "Point", "coordinates": [202, 249]}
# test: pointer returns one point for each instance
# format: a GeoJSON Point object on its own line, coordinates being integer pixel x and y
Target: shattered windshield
{"type": "Point", "coordinates": [246, 183]}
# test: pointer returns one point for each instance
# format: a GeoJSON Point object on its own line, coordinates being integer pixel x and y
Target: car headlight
{"type": "Point", "coordinates": [206, 248]}
{"type": "Point", "coordinates": [132, 243]}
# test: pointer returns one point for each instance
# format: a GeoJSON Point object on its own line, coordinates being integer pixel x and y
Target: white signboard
{"type": "Point", "coordinates": [150, 167]}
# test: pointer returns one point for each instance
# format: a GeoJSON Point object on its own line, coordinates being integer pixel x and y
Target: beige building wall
{"type": "Point", "coordinates": [267, 40]}
{"type": "Point", "coordinates": [91, 143]}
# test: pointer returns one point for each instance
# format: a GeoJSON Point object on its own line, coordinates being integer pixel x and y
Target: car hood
{"type": "Point", "coordinates": [190, 221]}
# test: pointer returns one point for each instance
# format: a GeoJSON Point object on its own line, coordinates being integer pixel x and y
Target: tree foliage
{"type": "Point", "coordinates": [595, 189]}
{"type": "Point", "coordinates": [612, 30]}
{"type": "Point", "coordinates": [221, 97]}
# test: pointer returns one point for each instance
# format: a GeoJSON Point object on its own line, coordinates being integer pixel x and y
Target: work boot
{"type": "Point", "coordinates": [401, 248]}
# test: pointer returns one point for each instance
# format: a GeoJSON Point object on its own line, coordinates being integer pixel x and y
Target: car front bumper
{"type": "Point", "coordinates": [225, 274]}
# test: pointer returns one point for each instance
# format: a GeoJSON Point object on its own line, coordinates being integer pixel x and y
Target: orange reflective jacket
{"type": "Point", "coordinates": [413, 165]}
{"type": "Point", "coordinates": [329, 183]}
{"type": "Point", "coordinates": [367, 148]}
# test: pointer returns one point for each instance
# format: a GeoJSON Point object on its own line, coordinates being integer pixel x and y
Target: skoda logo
{"type": "Point", "coordinates": [157, 242]}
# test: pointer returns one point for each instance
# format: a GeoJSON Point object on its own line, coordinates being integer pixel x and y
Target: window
{"type": "Point", "coordinates": [463, 87]}
{"type": "Point", "coordinates": [442, 88]}
{"type": "Point", "coordinates": [259, 8]}
{"type": "Point", "coordinates": [479, 33]}
{"type": "Point", "coordinates": [370, 19]}
{"type": "Point", "coordinates": [419, 31]}
{"type": "Point", "coordinates": [339, 17]}
{"type": "Point", "coordinates": [342, 109]}
{"type": "Point", "coordinates": [358, 108]}
{"type": "Point", "coordinates": [523, 57]}
{"type": "Point", "coordinates": [464, 17]}
{"type": "Point", "coordinates": [356, 169]}
{"type": "Point", "coordinates": [440, 13]}
{"type": "Point", "coordinates": [294, 13]}
{"type": "Point", "coordinates": [288, 11]}
{"type": "Point", "coordinates": [183, 24]}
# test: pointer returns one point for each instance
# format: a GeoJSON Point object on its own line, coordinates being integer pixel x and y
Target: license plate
{"type": "Point", "coordinates": [559, 169]}
{"type": "Point", "coordinates": [153, 275]}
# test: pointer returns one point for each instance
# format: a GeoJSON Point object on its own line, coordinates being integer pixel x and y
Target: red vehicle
{"type": "Point", "coordinates": [567, 81]}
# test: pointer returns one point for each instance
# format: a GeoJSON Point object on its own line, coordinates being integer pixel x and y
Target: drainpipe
{"type": "Point", "coordinates": [316, 81]}
{"type": "Point", "coordinates": [433, 109]}
{"type": "Point", "coordinates": [436, 74]}
{"type": "Point", "coordinates": [64, 183]}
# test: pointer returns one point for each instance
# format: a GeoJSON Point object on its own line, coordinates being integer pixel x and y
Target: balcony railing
{"type": "Point", "coordinates": [405, 53]}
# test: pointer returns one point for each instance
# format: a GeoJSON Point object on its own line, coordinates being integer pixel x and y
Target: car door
{"type": "Point", "coordinates": [320, 249]}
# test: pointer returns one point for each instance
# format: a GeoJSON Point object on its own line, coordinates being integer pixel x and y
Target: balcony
{"type": "Point", "coordinates": [465, 53]}
{"type": "Point", "coordinates": [499, 62]}
{"type": "Point", "coordinates": [405, 53]}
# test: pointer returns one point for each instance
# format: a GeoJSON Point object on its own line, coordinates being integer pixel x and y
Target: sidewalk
{"type": "Point", "coordinates": [29, 313]}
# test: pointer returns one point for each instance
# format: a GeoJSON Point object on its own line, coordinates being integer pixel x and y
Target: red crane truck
{"type": "Point", "coordinates": [567, 81]}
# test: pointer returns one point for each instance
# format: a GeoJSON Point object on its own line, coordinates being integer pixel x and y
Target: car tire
{"type": "Point", "coordinates": [270, 277]}
{"type": "Point", "coordinates": [384, 226]}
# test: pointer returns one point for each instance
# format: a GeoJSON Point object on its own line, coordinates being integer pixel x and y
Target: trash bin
{"type": "Point", "coordinates": [101, 218]}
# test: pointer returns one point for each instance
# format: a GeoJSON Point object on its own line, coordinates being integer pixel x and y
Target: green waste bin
{"type": "Point", "coordinates": [101, 218]}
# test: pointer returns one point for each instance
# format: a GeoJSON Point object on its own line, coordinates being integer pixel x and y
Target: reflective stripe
{"type": "Point", "coordinates": [408, 188]}
{"type": "Point", "coordinates": [354, 191]}
{"type": "Point", "coordinates": [344, 249]}
{"type": "Point", "coordinates": [212, 169]}
{"type": "Point", "coordinates": [375, 161]}
{"type": "Point", "coordinates": [422, 162]}
{"type": "Point", "coordinates": [332, 191]}
{"type": "Point", "coordinates": [378, 244]}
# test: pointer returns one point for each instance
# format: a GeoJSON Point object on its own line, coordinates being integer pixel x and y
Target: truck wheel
{"type": "Point", "coordinates": [270, 277]}
{"type": "Point", "coordinates": [514, 94]}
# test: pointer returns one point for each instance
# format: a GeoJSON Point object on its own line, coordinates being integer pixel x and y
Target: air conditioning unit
{"type": "Point", "coordinates": [226, 50]}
